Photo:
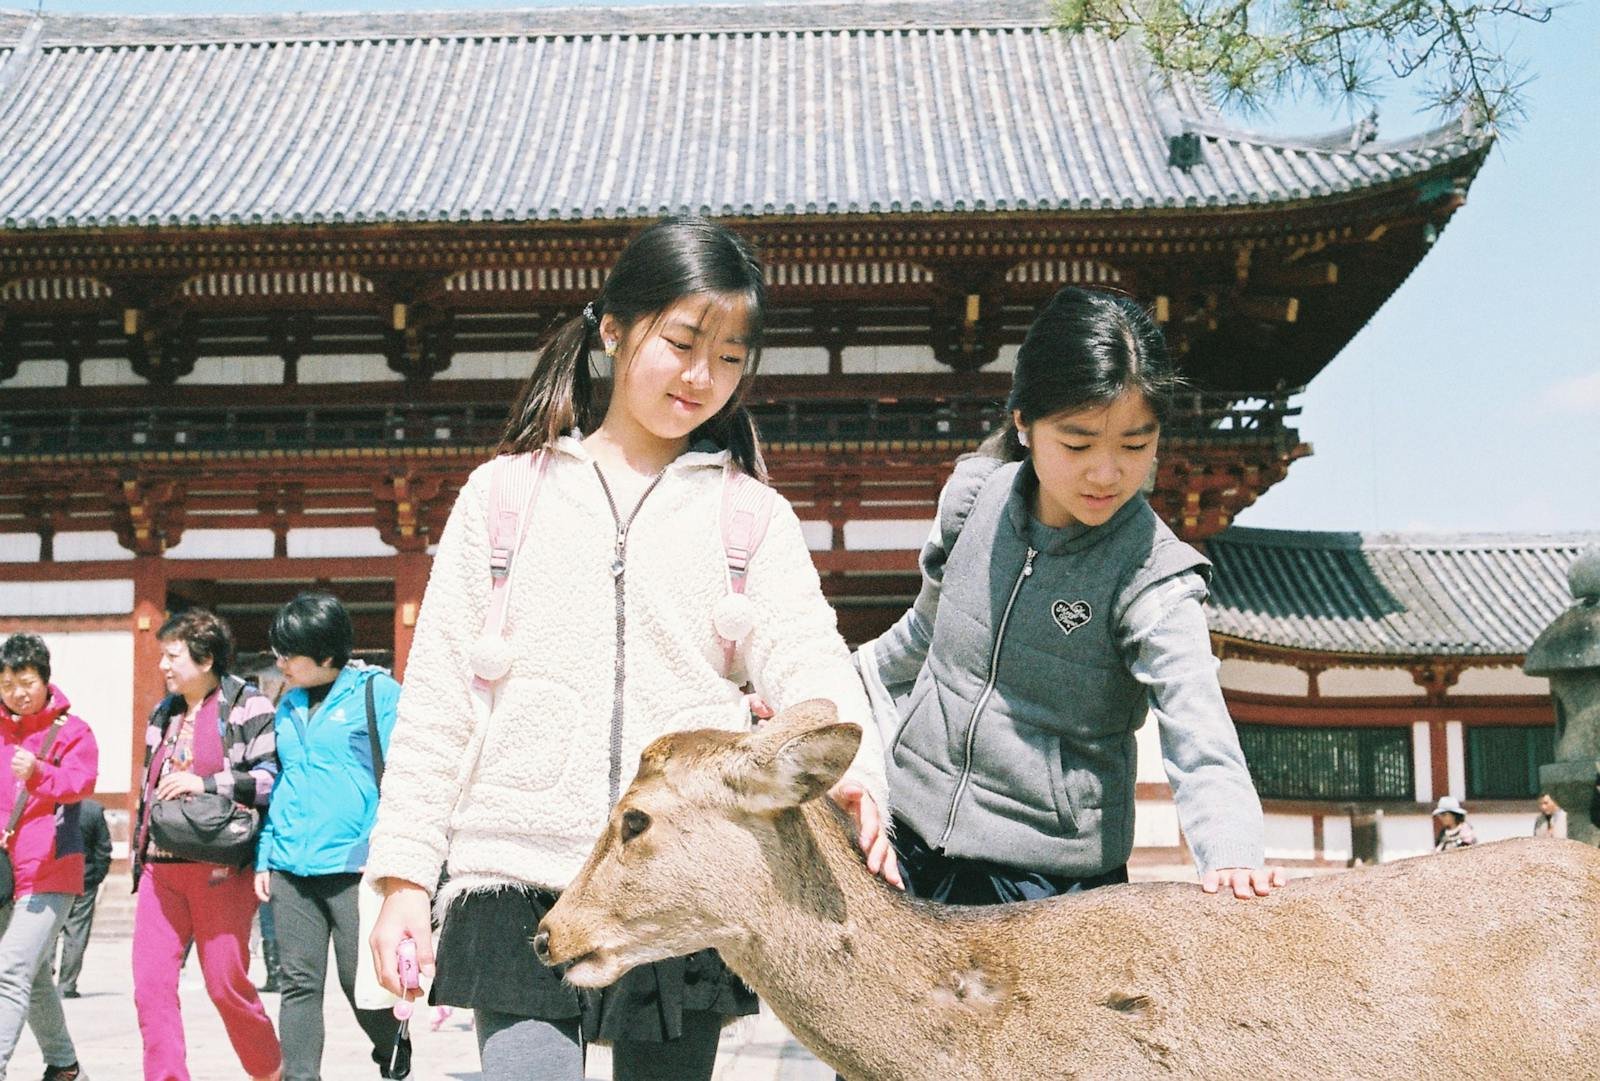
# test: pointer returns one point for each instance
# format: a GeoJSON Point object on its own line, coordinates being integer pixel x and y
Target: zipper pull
{"type": "Point", "coordinates": [1027, 566]}
{"type": "Point", "coordinates": [622, 543]}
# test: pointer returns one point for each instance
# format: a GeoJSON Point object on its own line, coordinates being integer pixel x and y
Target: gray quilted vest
{"type": "Point", "coordinates": [1017, 740]}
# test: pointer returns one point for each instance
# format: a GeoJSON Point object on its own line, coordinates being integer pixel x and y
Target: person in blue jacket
{"type": "Point", "coordinates": [333, 725]}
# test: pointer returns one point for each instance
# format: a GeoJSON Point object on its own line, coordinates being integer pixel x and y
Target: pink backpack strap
{"type": "Point", "coordinates": [746, 513]}
{"type": "Point", "coordinates": [513, 488]}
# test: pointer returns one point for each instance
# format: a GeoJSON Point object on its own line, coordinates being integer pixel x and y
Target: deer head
{"type": "Point", "coordinates": [702, 809]}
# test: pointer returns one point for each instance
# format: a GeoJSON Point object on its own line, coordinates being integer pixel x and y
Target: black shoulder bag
{"type": "Point", "coordinates": [208, 827]}
{"type": "Point", "coordinates": [8, 873]}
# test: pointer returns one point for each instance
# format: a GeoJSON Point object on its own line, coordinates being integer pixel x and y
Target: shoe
{"type": "Point", "coordinates": [401, 1060]}
{"type": "Point", "coordinates": [64, 1073]}
{"type": "Point", "coordinates": [269, 957]}
{"type": "Point", "coordinates": [71, 992]}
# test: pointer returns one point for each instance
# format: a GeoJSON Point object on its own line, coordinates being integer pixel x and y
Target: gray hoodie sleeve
{"type": "Point", "coordinates": [1165, 637]}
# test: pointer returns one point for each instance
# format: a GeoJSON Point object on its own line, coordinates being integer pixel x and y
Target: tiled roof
{"type": "Point", "coordinates": [587, 114]}
{"type": "Point", "coordinates": [1390, 594]}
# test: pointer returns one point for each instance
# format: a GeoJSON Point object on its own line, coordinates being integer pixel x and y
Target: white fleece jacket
{"type": "Point", "coordinates": [531, 808]}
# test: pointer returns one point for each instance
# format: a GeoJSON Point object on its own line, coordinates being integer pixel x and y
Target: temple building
{"type": "Point", "coordinates": [268, 284]}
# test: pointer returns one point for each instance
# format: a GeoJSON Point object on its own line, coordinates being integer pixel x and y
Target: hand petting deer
{"type": "Point", "coordinates": [1477, 964]}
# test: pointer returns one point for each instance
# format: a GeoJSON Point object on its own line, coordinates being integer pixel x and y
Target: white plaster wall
{"type": "Point", "coordinates": [1336, 837]}
{"type": "Point", "coordinates": [39, 373]}
{"type": "Point", "coordinates": [1148, 741]}
{"type": "Point", "coordinates": [1155, 824]}
{"type": "Point", "coordinates": [1406, 835]}
{"type": "Point", "coordinates": [1422, 760]}
{"type": "Point", "coordinates": [19, 547]}
{"type": "Point", "coordinates": [489, 366]}
{"type": "Point", "coordinates": [1455, 745]}
{"type": "Point", "coordinates": [1290, 837]}
{"type": "Point", "coordinates": [1357, 682]}
{"type": "Point", "coordinates": [95, 670]}
{"type": "Point", "coordinates": [1006, 361]}
{"type": "Point", "coordinates": [1499, 681]}
{"type": "Point", "coordinates": [111, 596]}
{"type": "Point", "coordinates": [94, 544]}
{"type": "Point", "coordinates": [891, 358]}
{"type": "Point", "coordinates": [1412, 834]}
{"type": "Point", "coordinates": [890, 533]}
{"type": "Point", "coordinates": [237, 371]}
{"type": "Point", "coordinates": [223, 544]}
{"type": "Point", "coordinates": [794, 360]}
{"type": "Point", "coordinates": [818, 535]}
{"type": "Point", "coordinates": [1258, 677]}
{"type": "Point", "coordinates": [362, 368]}
{"type": "Point", "coordinates": [320, 543]}
{"type": "Point", "coordinates": [1499, 827]}
{"type": "Point", "coordinates": [109, 372]}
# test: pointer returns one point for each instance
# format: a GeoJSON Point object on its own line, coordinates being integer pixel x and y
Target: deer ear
{"type": "Point", "coordinates": [799, 767]}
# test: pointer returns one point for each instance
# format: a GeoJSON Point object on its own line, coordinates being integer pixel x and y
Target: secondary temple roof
{"type": "Point", "coordinates": [1382, 594]}
{"type": "Point", "coordinates": [582, 114]}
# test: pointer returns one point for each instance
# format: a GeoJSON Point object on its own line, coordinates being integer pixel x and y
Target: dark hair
{"type": "Point", "coordinates": [207, 635]}
{"type": "Point", "coordinates": [1086, 348]}
{"type": "Point", "coordinates": [313, 625]}
{"type": "Point", "coordinates": [24, 650]}
{"type": "Point", "coordinates": [674, 258]}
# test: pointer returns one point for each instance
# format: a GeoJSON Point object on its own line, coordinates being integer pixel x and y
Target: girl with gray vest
{"type": "Point", "coordinates": [1056, 612]}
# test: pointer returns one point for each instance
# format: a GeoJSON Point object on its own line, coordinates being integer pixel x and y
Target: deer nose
{"type": "Point", "coordinates": [541, 946]}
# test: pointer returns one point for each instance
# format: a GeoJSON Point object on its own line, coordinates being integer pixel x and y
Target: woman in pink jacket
{"type": "Point", "coordinates": [51, 760]}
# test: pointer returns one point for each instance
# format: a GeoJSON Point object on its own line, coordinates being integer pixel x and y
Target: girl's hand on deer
{"type": "Point", "coordinates": [1245, 882]}
{"type": "Point", "coordinates": [758, 707]}
{"type": "Point", "coordinates": [874, 838]}
{"type": "Point", "coordinates": [405, 912]}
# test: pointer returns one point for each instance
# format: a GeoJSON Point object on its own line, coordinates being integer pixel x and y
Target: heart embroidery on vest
{"type": "Point", "coordinates": [1069, 617]}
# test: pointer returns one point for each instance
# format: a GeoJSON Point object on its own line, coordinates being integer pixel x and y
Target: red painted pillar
{"type": "Point", "coordinates": [1439, 756]}
{"type": "Point", "coordinates": [410, 579]}
{"type": "Point", "coordinates": [149, 612]}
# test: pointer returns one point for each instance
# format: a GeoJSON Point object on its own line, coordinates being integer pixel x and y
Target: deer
{"type": "Point", "coordinates": [1481, 963]}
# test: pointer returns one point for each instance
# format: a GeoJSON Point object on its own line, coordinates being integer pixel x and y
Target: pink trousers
{"type": "Point", "coordinates": [212, 907]}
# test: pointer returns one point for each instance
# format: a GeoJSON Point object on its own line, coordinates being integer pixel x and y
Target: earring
{"type": "Point", "coordinates": [1022, 437]}
{"type": "Point", "coordinates": [611, 349]}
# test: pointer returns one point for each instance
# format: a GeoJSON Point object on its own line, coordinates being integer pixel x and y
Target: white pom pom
{"type": "Point", "coordinates": [734, 617]}
{"type": "Point", "coordinates": [490, 658]}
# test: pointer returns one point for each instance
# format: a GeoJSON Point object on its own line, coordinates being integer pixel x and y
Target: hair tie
{"type": "Point", "coordinates": [590, 319]}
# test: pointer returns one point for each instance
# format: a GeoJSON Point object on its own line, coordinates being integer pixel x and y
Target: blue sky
{"type": "Point", "coordinates": [1472, 400]}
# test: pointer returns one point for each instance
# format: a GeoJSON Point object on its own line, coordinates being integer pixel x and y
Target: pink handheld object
{"type": "Point", "coordinates": [405, 961]}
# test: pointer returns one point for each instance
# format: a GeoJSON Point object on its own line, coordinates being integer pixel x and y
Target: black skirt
{"type": "Point", "coordinates": [486, 961]}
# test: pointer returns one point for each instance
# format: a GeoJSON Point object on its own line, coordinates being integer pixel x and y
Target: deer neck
{"type": "Point", "coordinates": [845, 961]}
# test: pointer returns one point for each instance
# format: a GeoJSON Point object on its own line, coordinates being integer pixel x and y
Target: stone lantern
{"type": "Point", "coordinates": [1568, 652]}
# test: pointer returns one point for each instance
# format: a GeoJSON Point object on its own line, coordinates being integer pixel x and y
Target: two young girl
{"type": "Point", "coordinates": [617, 613]}
{"type": "Point", "coordinates": [616, 616]}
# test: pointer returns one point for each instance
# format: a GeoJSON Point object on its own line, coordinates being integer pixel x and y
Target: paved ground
{"type": "Point", "coordinates": [107, 1035]}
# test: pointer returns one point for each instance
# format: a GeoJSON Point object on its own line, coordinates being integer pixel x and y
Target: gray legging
{"type": "Point", "coordinates": [308, 911]}
{"type": "Point", "coordinates": [524, 1049]}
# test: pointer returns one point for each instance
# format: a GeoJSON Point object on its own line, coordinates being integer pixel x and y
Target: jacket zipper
{"type": "Point", "coordinates": [983, 699]}
{"type": "Point", "coordinates": [618, 567]}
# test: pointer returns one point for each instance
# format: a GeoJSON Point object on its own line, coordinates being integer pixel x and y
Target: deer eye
{"type": "Point", "coordinates": [634, 822]}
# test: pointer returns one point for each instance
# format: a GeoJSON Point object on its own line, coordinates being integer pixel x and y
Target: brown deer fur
{"type": "Point", "coordinates": [1482, 963]}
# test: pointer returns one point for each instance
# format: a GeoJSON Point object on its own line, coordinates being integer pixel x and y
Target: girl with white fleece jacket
{"type": "Point", "coordinates": [612, 643]}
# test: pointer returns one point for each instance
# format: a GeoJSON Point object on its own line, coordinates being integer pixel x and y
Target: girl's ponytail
{"type": "Point", "coordinates": [557, 397]}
